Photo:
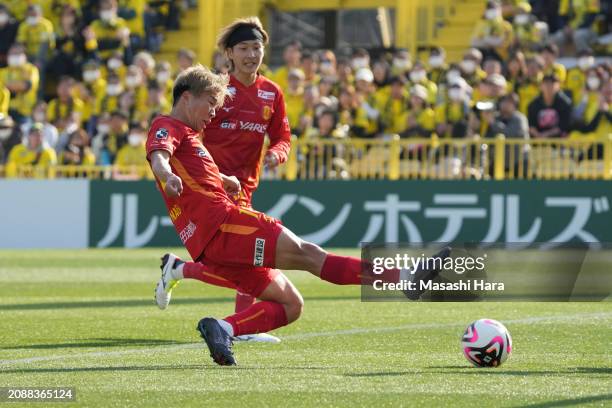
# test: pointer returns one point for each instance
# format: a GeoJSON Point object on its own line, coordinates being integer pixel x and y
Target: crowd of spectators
{"type": "Point", "coordinates": [78, 82]}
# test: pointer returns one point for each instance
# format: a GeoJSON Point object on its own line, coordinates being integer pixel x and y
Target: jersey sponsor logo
{"type": "Point", "coordinates": [266, 112]}
{"type": "Point", "coordinates": [231, 90]}
{"type": "Point", "coordinates": [187, 232]}
{"type": "Point", "coordinates": [267, 95]}
{"type": "Point", "coordinates": [162, 133]}
{"type": "Point", "coordinates": [228, 124]}
{"type": "Point", "coordinates": [201, 152]}
{"type": "Point", "coordinates": [258, 257]}
{"type": "Point", "coordinates": [175, 212]}
{"type": "Point", "coordinates": [253, 127]}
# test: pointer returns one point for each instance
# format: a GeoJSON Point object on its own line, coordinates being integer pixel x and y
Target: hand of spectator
{"type": "Point", "coordinates": [535, 133]}
{"type": "Point", "coordinates": [603, 103]}
{"type": "Point", "coordinates": [271, 161]}
{"type": "Point", "coordinates": [88, 33]}
{"type": "Point", "coordinates": [173, 186]}
{"type": "Point", "coordinates": [123, 35]}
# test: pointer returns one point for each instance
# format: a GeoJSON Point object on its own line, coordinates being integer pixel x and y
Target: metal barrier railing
{"type": "Point", "coordinates": [394, 158]}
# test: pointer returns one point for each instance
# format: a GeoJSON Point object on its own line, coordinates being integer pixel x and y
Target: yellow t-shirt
{"type": "Point", "coordinates": [130, 155]}
{"type": "Point", "coordinates": [108, 31]}
{"type": "Point", "coordinates": [59, 110]}
{"type": "Point", "coordinates": [106, 104]}
{"type": "Point", "coordinates": [20, 155]}
{"type": "Point", "coordinates": [33, 36]}
{"type": "Point", "coordinates": [495, 28]}
{"type": "Point", "coordinates": [425, 118]}
{"type": "Point", "coordinates": [557, 69]}
{"type": "Point", "coordinates": [22, 102]}
{"type": "Point", "coordinates": [527, 93]}
{"type": "Point", "coordinates": [393, 114]}
{"type": "Point", "coordinates": [578, 9]}
{"type": "Point", "coordinates": [5, 99]}
{"type": "Point", "coordinates": [575, 83]}
{"type": "Point", "coordinates": [294, 105]}
{"type": "Point", "coordinates": [135, 24]}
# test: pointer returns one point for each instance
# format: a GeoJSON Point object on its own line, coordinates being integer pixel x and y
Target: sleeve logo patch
{"type": "Point", "coordinates": [162, 133]}
{"type": "Point", "coordinates": [267, 95]}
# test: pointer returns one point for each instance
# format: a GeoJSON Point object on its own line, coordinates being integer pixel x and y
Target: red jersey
{"type": "Point", "coordinates": [235, 137]}
{"type": "Point", "coordinates": [203, 206]}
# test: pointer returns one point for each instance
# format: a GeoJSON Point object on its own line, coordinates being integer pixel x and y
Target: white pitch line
{"type": "Point", "coordinates": [580, 317]}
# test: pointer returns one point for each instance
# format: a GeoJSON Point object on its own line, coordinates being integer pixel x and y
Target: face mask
{"type": "Point", "coordinates": [114, 63]}
{"type": "Point", "coordinates": [91, 75]}
{"type": "Point", "coordinates": [113, 89]}
{"type": "Point", "coordinates": [455, 94]}
{"type": "Point", "coordinates": [16, 60]}
{"type": "Point", "coordinates": [491, 14]}
{"type": "Point", "coordinates": [468, 66]}
{"type": "Point", "coordinates": [417, 76]}
{"type": "Point", "coordinates": [163, 76]}
{"type": "Point", "coordinates": [4, 18]}
{"type": "Point", "coordinates": [521, 19]}
{"type": "Point", "coordinates": [32, 20]}
{"type": "Point", "coordinates": [39, 116]}
{"type": "Point", "coordinates": [436, 61]}
{"type": "Point", "coordinates": [400, 63]}
{"type": "Point", "coordinates": [103, 128]}
{"type": "Point", "coordinates": [452, 76]}
{"type": "Point", "coordinates": [107, 15]}
{"type": "Point", "coordinates": [358, 63]}
{"type": "Point", "coordinates": [327, 68]}
{"type": "Point", "coordinates": [585, 63]}
{"type": "Point", "coordinates": [593, 83]}
{"type": "Point", "coordinates": [132, 81]}
{"type": "Point", "coordinates": [135, 139]}
{"type": "Point", "coordinates": [5, 133]}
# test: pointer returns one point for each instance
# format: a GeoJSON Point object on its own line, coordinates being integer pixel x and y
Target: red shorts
{"type": "Point", "coordinates": [248, 280]}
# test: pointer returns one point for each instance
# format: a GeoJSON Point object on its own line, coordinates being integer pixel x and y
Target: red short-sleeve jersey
{"type": "Point", "coordinates": [203, 206]}
{"type": "Point", "coordinates": [235, 137]}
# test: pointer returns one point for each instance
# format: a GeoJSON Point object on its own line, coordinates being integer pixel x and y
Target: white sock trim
{"type": "Point", "coordinates": [226, 326]}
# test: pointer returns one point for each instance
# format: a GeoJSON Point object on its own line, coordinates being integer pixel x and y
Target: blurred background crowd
{"type": "Point", "coordinates": [79, 82]}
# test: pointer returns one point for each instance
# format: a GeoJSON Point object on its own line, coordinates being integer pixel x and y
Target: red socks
{"type": "Point", "coordinates": [258, 318]}
{"type": "Point", "coordinates": [346, 270]}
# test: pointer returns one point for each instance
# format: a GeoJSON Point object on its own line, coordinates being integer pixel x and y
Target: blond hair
{"type": "Point", "coordinates": [226, 32]}
{"type": "Point", "coordinates": [198, 79]}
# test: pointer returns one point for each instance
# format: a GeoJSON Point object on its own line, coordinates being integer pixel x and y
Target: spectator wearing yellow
{"type": "Point", "coordinates": [22, 79]}
{"type": "Point", "coordinates": [401, 63]}
{"type": "Point", "coordinates": [132, 11]}
{"type": "Point", "coordinates": [577, 19]}
{"type": "Point", "coordinates": [418, 76]}
{"type": "Point", "coordinates": [49, 132]}
{"type": "Point", "coordinates": [155, 104]}
{"type": "Point", "coordinates": [294, 96]}
{"type": "Point", "coordinates": [310, 67]}
{"type": "Point", "coordinates": [593, 102]}
{"type": "Point", "coordinates": [395, 106]}
{"type": "Point", "coordinates": [470, 67]}
{"type": "Point", "coordinates": [115, 65]}
{"type": "Point", "coordinates": [381, 72]}
{"type": "Point", "coordinates": [18, 8]}
{"type": "Point", "coordinates": [8, 32]}
{"type": "Point", "coordinates": [529, 89]}
{"type": "Point", "coordinates": [511, 8]}
{"type": "Point", "coordinates": [10, 136]}
{"type": "Point", "coordinates": [326, 160]}
{"type": "Point", "coordinates": [437, 65]}
{"type": "Point", "coordinates": [493, 35]}
{"type": "Point", "coordinates": [109, 141]}
{"type": "Point", "coordinates": [91, 89]}
{"type": "Point", "coordinates": [131, 160]}
{"type": "Point", "coordinates": [516, 71]}
{"type": "Point", "coordinates": [136, 82]}
{"type": "Point", "coordinates": [109, 100]}
{"type": "Point", "coordinates": [345, 74]}
{"type": "Point", "coordinates": [53, 9]}
{"type": "Point", "coordinates": [5, 99]}
{"type": "Point", "coordinates": [366, 94]}
{"type": "Point", "coordinates": [77, 151]}
{"type": "Point", "coordinates": [452, 116]}
{"type": "Point", "coordinates": [420, 118]}
{"type": "Point", "coordinates": [163, 78]}
{"type": "Point", "coordinates": [526, 34]}
{"type": "Point", "coordinates": [292, 55]}
{"type": "Point", "coordinates": [310, 104]}
{"type": "Point", "coordinates": [360, 59]}
{"type": "Point", "coordinates": [70, 50]}
{"type": "Point", "coordinates": [350, 113]}
{"type": "Point", "coordinates": [549, 54]}
{"type": "Point", "coordinates": [62, 108]}
{"type": "Point", "coordinates": [33, 152]}
{"type": "Point", "coordinates": [36, 34]}
{"type": "Point", "coordinates": [492, 88]}
{"type": "Point", "coordinates": [127, 106]}
{"type": "Point", "coordinates": [145, 61]}
{"type": "Point", "coordinates": [328, 66]}
{"type": "Point", "coordinates": [111, 31]}
{"type": "Point", "coordinates": [576, 76]}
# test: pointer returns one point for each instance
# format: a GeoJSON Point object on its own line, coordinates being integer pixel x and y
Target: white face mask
{"type": "Point", "coordinates": [418, 76]}
{"type": "Point", "coordinates": [585, 63]}
{"type": "Point", "coordinates": [593, 83]}
{"type": "Point", "coordinates": [492, 13]}
{"type": "Point", "coordinates": [91, 75]}
{"type": "Point", "coordinates": [401, 63]}
{"type": "Point", "coordinates": [455, 94]}
{"type": "Point", "coordinates": [16, 60]}
{"type": "Point", "coordinates": [163, 76]}
{"type": "Point", "coordinates": [521, 19]}
{"type": "Point", "coordinates": [103, 128]}
{"type": "Point", "coordinates": [39, 116]}
{"type": "Point", "coordinates": [468, 66]}
{"type": "Point", "coordinates": [135, 139]}
{"type": "Point", "coordinates": [107, 15]}
{"type": "Point", "coordinates": [361, 62]}
{"type": "Point", "coordinates": [5, 133]}
{"type": "Point", "coordinates": [4, 18]}
{"type": "Point", "coordinates": [452, 76]}
{"type": "Point", "coordinates": [114, 63]}
{"type": "Point", "coordinates": [32, 20]}
{"type": "Point", "coordinates": [436, 61]}
{"type": "Point", "coordinates": [132, 81]}
{"type": "Point", "coordinates": [327, 68]}
{"type": "Point", "coordinates": [113, 89]}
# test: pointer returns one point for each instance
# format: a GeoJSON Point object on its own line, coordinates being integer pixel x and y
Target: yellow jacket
{"type": "Point", "coordinates": [20, 155]}
{"type": "Point", "coordinates": [34, 36]}
{"type": "Point", "coordinates": [5, 99]}
{"type": "Point", "coordinates": [22, 102]}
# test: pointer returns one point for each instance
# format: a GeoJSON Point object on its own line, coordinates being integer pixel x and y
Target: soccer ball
{"type": "Point", "coordinates": [486, 343]}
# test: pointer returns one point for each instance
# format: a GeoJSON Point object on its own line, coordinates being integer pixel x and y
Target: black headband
{"type": "Point", "coordinates": [244, 33]}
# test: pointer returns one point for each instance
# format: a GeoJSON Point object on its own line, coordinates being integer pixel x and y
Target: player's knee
{"type": "Point", "coordinates": [294, 307]}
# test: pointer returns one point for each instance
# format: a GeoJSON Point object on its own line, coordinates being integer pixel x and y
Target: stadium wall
{"type": "Point", "coordinates": [81, 213]}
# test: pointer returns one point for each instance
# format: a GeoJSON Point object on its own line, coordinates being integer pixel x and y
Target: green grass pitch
{"type": "Point", "coordinates": [87, 319]}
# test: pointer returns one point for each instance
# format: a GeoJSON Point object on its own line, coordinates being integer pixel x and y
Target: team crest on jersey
{"type": "Point", "coordinates": [162, 133]}
{"type": "Point", "coordinates": [267, 95]}
{"type": "Point", "coordinates": [231, 90]}
{"type": "Point", "coordinates": [266, 112]}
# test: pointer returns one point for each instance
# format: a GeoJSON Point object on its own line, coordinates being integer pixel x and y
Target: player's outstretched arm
{"type": "Point", "coordinates": [160, 163]}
